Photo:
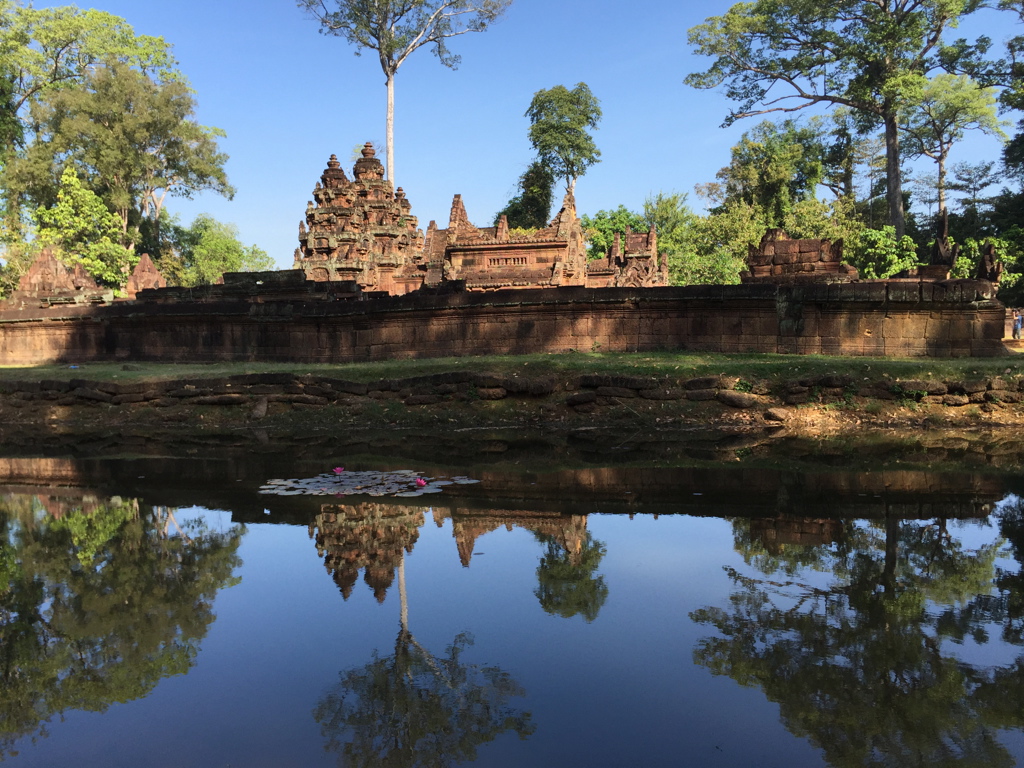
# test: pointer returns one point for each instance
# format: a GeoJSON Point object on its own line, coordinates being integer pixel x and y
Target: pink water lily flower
{"type": "Point", "coordinates": [338, 470]}
{"type": "Point", "coordinates": [420, 482]}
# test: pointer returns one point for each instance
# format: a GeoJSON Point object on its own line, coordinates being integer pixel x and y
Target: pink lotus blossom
{"type": "Point", "coordinates": [338, 470]}
{"type": "Point", "coordinates": [420, 482]}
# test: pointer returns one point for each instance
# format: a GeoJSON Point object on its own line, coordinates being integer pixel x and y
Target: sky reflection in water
{"type": "Point", "coordinates": [401, 634]}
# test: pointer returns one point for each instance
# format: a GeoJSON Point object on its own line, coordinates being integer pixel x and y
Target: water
{"type": "Point", "coordinates": [160, 612]}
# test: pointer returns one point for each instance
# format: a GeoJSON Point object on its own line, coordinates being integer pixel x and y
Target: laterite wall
{"type": "Point", "coordinates": [896, 318]}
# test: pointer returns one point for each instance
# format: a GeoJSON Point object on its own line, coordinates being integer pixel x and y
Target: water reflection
{"type": "Point", "coordinates": [101, 599]}
{"type": "Point", "coordinates": [410, 708]}
{"type": "Point", "coordinates": [567, 583]}
{"type": "Point", "coordinates": [869, 663]}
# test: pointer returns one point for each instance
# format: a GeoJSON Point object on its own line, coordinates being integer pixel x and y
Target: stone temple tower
{"type": "Point", "coordinates": [361, 230]}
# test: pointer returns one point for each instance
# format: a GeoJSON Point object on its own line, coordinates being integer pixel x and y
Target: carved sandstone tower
{"type": "Point", "coordinates": [361, 230]}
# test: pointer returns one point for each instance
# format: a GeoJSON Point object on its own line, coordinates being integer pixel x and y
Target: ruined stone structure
{"type": "Point", "coordinates": [779, 259]}
{"type": "Point", "coordinates": [144, 277]}
{"type": "Point", "coordinates": [49, 282]}
{"type": "Point", "coordinates": [362, 231]}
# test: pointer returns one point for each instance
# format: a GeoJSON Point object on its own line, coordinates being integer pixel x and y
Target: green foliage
{"type": "Point", "coordinates": [772, 168]}
{"type": "Point", "coordinates": [881, 254]}
{"type": "Point", "coordinates": [85, 232]}
{"type": "Point", "coordinates": [43, 50]}
{"type": "Point", "coordinates": [948, 107]}
{"type": "Point", "coordinates": [531, 207]}
{"type": "Point", "coordinates": [870, 57]}
{"type": "Point", "coordinates": [559, 123]}
{"type": "Point", "coordinates": [133, 139]}
{"type": "Point", "coordinates": [674, 222]}
{"type": "Point", "coordinates": [209, 248]}
{"type": "Point", "coordinates": [601, 228]}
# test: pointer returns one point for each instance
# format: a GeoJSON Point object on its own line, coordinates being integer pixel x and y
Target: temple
{"type": "Point", "coordinates": [361, 230]}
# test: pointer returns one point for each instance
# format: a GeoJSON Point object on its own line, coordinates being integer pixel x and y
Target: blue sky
{"type": "Point", "coordinates": [288, 97]}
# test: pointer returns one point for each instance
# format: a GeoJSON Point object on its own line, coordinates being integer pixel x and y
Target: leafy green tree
{"type": "Point", "coordinates": [209, 248]}
{"type": "Point", "coordinates": [133, 138]}
{"type": "Point", "coordinates": [395, 28]}
{"type": "Point", "coordinates": [881, 254]}
{"type": "Point", "coordinates": [673, 221]}
{"type": "Point", "coordinates": [43, 50]}
{"type": "Point", "coordinates": [559, 123]}
{"type": "Point", "coordinates": [531, 207]}
{"type": "Point", "coordinates": [602, 227]}
{"type": "Point", "coordinates": [772, 168]}
{"type": "Point", "coordinates": [948, 107]}
{"type": "Point", "coordinates": [567, 585]}
{"type": "Point", "coordinates": [85, 232]}
{"type": "Point", "coordinates": [98, 606]}
{"type": "Point", "coordinates": [870, 56]}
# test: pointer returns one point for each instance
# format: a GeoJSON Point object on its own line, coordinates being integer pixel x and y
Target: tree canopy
{"type": "Point", "coordinates": [559, 123]}
{"type": "Point", "coordinates": [395, 28]}
{"type": "Point", "coordinates": [870, 56]}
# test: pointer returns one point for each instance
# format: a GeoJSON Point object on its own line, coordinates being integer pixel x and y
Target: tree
{"type": "Point", "coordinates": [773, 167]}
{"type": "Point", "coordinates": [602, 227]}
{"type": "Point", "coordinates": [559, 119]}
{"type": "Point", "coordinates": [133, 138]}
{"type": "Point", "coordinates": [868, 55]}
{"type": "Point", "coordinates": [48, 49]}
{"type": "Point", "coordinates": [673, 221]}
{"type": "Point", "coordinates": [949, 106]}
{"type": "Point", "coordinates": [85, 232]}
{"type": "Point", "coordinates": [396, 28]}
{"type": "Point", "coordinates": [881, 254]}
{"type": "Point", "coordinates": [207, 249]}
{"type": "Point", "coordinates": [530, 208]}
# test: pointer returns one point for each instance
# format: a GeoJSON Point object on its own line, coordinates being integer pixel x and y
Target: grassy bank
{"type": "Point", "coordinates": [771, 368]}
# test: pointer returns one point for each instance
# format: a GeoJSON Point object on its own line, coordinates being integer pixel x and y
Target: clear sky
{"type": "Point", "coordinates": [288, 97]}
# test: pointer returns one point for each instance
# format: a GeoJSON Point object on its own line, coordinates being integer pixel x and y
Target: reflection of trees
{"type": "Point", "coordinates": [859, 667]}
{"type": "Point", "coordinates": [99, 605]}
{"type": "Point", "coordinates": [566, 582]}
{"type": "Point", "coordinates": [410, 708]}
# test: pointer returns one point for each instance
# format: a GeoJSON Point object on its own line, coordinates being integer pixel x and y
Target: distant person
{"type": "Point", "coordinates": [1018, 322]}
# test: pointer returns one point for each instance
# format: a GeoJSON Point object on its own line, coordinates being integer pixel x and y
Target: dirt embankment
{"type": "Point", "coordinates": [461, 400]}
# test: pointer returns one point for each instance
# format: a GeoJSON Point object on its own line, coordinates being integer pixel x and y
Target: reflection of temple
{"type": "Point", "coordinates": [361, 230]}
{"type": "Point", "coordinates": [777, 532]}
{"type": "Point", "coordinates": [370, 536]}
{"type": "Point", "coordinates": [568, 531]}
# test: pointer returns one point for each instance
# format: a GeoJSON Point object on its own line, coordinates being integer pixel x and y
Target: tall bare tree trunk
{"type": "Point", "coordinates": [390, 130]}
{"type": "Point", "coordinates": [893, 185]}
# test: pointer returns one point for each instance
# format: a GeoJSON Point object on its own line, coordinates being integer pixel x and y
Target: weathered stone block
{"type": "Point", "coordinates": [580, 398]}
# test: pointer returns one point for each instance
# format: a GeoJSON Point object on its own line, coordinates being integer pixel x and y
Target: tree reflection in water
{"type": "Point", "coordinates": [99, 602]}
{"type": "Point", "coordinates": [566, 583]}
{"type": "Point", "coordinates": [411, 708]}
{"type": "Point", "coordinates": [862, 667]}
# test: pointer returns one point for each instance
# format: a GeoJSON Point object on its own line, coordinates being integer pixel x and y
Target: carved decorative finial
{"type": "Point", "coordinates": [368, 150]}
{"type": "Point", "coordinates": [399, 193]}
{"type": "Point", "coordinates": [334, 162]}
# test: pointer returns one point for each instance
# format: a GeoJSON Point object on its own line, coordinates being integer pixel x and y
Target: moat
{"type": "Point", "coordinates": [511, 602]}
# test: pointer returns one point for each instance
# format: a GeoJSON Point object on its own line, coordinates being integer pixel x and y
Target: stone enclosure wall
{"type": "Point", "coordinates": [894, 318]}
